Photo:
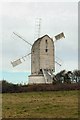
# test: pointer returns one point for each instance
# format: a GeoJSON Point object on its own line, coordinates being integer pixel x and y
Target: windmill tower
{"type": "Point", "coordinates": [42, 59]}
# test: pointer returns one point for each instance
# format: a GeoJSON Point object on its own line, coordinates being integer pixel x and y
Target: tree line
{"type": "Point", "coordinates": [64, 80]}
{"type": "Point", "coordinates": [67, 77]}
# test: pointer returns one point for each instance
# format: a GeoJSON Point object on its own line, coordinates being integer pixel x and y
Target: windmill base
{"type": "Point", "coordinates": [37, 79]}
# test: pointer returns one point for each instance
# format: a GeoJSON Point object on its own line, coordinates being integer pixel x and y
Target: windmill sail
{"type": "Point", "coordinates": [15, 63]}
{"type": "Point", "coordinates": [59, 36]}
{"type": "Point", "coordinates": [18, 61]}
{"type": "Point", "coordinates": [21, 38]}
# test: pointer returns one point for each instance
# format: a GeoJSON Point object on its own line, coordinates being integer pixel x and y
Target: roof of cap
{"type": "Point", "coordinates": [39, 39]}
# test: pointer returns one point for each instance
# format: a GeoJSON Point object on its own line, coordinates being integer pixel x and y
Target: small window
{"type": "Point", "coordinates": [46, 50]}
{"type": "Point", "coordinates": [46, 41]}
{"type": "Point", "coordinates": [40, 70]}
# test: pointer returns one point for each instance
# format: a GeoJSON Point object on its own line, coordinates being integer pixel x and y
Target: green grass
{"type": "Point", "coordinates": [58, 104]}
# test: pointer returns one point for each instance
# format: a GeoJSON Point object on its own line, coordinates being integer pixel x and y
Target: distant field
{"type": "Point", "coordinates": [51, 104]}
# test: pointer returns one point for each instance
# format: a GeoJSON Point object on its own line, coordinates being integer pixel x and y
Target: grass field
{"type": "Point", "coordinates": [56, 104]}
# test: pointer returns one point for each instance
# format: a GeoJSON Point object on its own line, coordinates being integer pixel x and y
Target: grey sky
{"type": "Point", "coordinates": [56, 17]}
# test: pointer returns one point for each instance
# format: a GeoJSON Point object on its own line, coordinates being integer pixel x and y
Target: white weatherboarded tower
{"type": "Point", "coordinates": [42, 61]}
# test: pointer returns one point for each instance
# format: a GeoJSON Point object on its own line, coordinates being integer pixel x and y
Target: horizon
{"type": "Point", "coordinates": [18, 77]}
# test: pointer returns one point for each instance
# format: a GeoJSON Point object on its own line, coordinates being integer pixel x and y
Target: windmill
{"type": "Point", "coordinates": [42, 59]}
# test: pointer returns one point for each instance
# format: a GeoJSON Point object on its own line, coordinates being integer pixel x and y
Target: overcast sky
{"type": "Point", "coordinates": [55, 17]}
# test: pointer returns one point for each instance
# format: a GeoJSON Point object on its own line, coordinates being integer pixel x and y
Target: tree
{"type": "Point", "coordinates": [64, 76]}
{"type": "Point", "coordinates": [68, 77]}
{"type": "Point", "coordinates": [76, 74]}
{"type": "Point", "coordinates": [60, 76]}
